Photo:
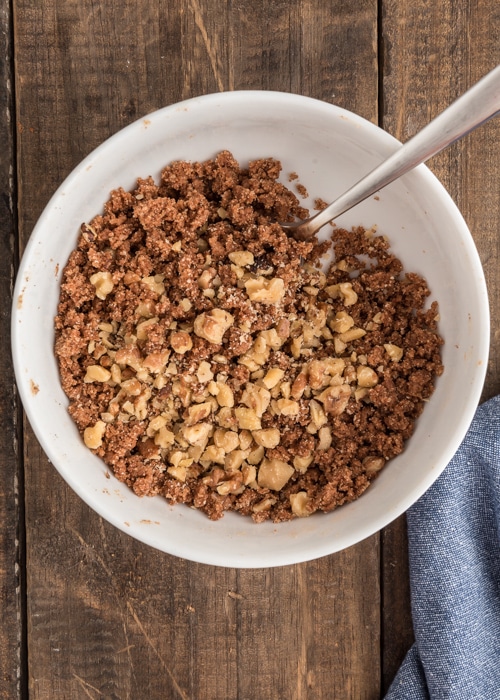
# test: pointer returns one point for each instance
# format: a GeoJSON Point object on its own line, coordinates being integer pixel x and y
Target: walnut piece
{"type": "Point", "coordinates": [181, 342]}
{"type": "Point", "coordinates": [269, 437]}
{"type": "Point", "coordinates": [274, 474]}
{"type": "Point", "coordinates": [93, 435]}
{"type": "Point", "coordinates": [265, 291]}
{"type": "Point", "coordinates": [213, 324]}
{"type": "Point", "coordinates": [103, 284]}
{"type": "Point", "coordinates": [299, 502]}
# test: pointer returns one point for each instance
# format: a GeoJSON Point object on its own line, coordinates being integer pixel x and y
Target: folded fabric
{"type": "Point", "coordinates": [454, 550]}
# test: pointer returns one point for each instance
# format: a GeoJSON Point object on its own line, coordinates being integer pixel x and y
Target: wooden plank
{"type": "Point", "coordinates": [109, 617]}
{"type": "Point", "coordinates": [431, 54]}
{"type": "Point", "coordinates": [12, 629]}
{"type": "Point", "coordinates": [397, 628]}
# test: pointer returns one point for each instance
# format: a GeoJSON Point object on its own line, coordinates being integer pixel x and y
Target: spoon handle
{"type": "Point", "coordinates": [473, 108]}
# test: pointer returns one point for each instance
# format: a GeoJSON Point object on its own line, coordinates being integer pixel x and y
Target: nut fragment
{"type": "Point", "coordinates": [103, 284]}
{"type": "Point", "coordinates": [272, 377]}
{"type": "Point", "coordinates": [234, 460]}
{"type": "Point", "coordinates": [213, 324]}
{"type": "Point", "coordinates": [96, 373]}
{"type": "Point", "coordinates": [342, 322]}
{"type": "Point", "coordinates": [197, 434]}
{"type": "Point", "coordinates": [274, 474]}
{"type": "Point", "coordinates": [262, 506]}
{"type": "Point", "coordinates": [348, 293]}
{"type": "Point", "coordinates": [335, 399]}
{"type": "Point", "coordinates": [256, 397]}
{"type": "Point", "coordinates": [256, 455]}
{"type": "Point", "coordinates": [352, 334]}
{"type": "Point", "coordinates": [155, 283]}
{"type": "Point", "coordinates": [233, 485]}
{"type": "Point", "coordinates": [247, 419]}
{"type": "Point", "coordinates": [301, 464]}
{"type": "Point", "coordinates": [249, 474]}
{"type": "Point", "coordinates": [224, 395]}
{"type": "Point", "coordinates": [227, 439]}
{"type": "Point", "coordinates": [268, 437]}
{"type": "Point", "coordinates": [206, 277]}
{"type": "Point", "coordinates": [132, 387]}
{"type": "Point", "coordinates": [179, 473]}
{"type": "Point", "coordinates": [241, 257]}
{"type": "Point", "coordinates": [156, 361]}
{"type": "Point", "coordinates": [318, 415]}
{"type": "Point", "coordinates": [93, 435]}
{"type": "Point", "coordinates": [299, 385]}
{"type": "Point", "coordinates": [373, 465]}
{"type": "Point", "coordinates": [287, 407]}
{"type": "Point", "coordinates": [198, 412]}
{"type": "Point", "coordinates": [129, 355]}
{"type": "Point", "coordinates": [226, 419]}
{"type": "Point", "coordinates": [155, 424]}
{"type": "Point", "coordinates": [394, 351]}
{"type": "Point", "coordinates": [204, 373]}
{"type": "Point", "coordinates": [325, 438]}
{"type": "Point", "coordinates": [164, 438]}
{"type": "Point", "coordinates": [213, 454]}
{"type": "Point", "coordinates": [367, 377]}
{"type": "Point", "coordinates": [181, 342]}
{"type": "Point", "coordinates": [265, 291]}
{"type": "Point", "coordinates": [299, 502]}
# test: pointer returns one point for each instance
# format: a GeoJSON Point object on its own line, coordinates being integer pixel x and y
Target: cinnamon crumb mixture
{"type": "Point", "coordinates": [208, 358]}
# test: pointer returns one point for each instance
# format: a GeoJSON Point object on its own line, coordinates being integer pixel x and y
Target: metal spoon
{"type": "Point", "coordinates": [473, 108]}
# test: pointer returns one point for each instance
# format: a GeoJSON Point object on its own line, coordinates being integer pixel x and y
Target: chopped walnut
{"type": "Point", "coordinates": [299, 502]}
{"type": "Point", "coordinates": [212, 325]}
{"type": "Point", "coordinates": [349, 295]}
{"type": "Point", "coordinates": [335, 399]}
{"type": "Point", "coordinates": [269, 437]}
{"type": "Point", "coordinates": [265, 291]}
{"type": "Point", "coordinates": [96, 373]}
{"type": "Point", "coordinates": [272, 377]}
{"type": "Point", "coordinates": [103, 283]}
{"type": "Point", "coordinates": [93, 435]}
{"type": "Point", "coordinates": [274, 474]}
{"type": "Point", "coordinates": [257, 398]}
{"type": "Point", "coordinates": [242, 258]}
{"type": "Point", "coordinates": [394, 351]}
{"type": "Point", "coordinates": [247, 419]}
{"type": "Point", "coordinates": [181, 342]}
{"type": "Point", "coordinates": [367, 377]}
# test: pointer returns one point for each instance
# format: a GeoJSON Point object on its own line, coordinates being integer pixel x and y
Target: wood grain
{"type": "Point", "coordinates": [12, 630]}
{"type": "Point", "coordinates": [397, 629]}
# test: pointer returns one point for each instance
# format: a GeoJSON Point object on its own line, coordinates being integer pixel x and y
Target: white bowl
{"type": "Point", "coordinates": [330, 149]}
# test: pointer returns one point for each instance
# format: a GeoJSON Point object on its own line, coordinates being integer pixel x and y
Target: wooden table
{"type": "Point", "coordinates": [87, 612]}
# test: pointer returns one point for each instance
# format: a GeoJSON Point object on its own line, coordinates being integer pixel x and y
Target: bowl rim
{"type": "Point", "coordinates": [205, 101]}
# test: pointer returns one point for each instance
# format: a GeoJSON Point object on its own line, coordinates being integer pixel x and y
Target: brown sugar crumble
{"type": "Point", "coordinates": [302, 190]}
{"type": "Point", "coordinates": [209, 358]}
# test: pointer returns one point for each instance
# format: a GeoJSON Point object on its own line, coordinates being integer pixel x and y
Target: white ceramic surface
{"type": "Point", "coordinates": [329, 148]}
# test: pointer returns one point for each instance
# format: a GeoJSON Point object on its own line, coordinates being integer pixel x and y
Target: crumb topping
{"type": "Point", "coordinates": [210, 358]}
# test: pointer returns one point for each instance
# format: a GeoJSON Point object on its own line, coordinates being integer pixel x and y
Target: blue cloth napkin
{"type": "Point", "coordinates": [454, 548]}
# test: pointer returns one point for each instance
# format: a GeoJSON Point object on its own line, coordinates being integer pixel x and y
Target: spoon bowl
{"type": "Point", "coordinates": [476, 106]}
